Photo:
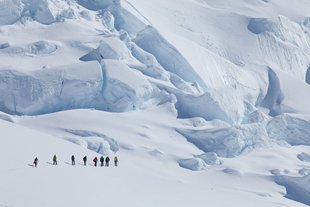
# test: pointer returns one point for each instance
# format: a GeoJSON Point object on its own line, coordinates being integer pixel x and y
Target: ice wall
{"type": "Point", "coordinates": [50, 90]}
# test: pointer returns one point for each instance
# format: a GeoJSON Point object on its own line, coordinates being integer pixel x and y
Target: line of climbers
{"type": "Point", "coordinates": [103, 161]}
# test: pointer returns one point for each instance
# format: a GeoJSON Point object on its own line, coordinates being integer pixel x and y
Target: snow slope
{"type": "Point", "coordinates": [148, 173]}
{"type": "Point", "coordinates": [203, 98]}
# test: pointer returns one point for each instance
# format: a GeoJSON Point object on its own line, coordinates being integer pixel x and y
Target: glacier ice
{"type": "Point", "coordinates": [95, 144]}
{"type": "Point", "coordinates": [83, 85]}
{"type": "Point", "coordinates": [297, 188]}
{"type": "Point", "coordinates": [189, 106]}
{"type": "Point", "coordinates": [281, 44]}
{"type": "Point", "coordinates": [230, 141]}
{"type": "Point", "coordinates": [125, 89]}
{"type": "Point", "coordinates": [108, 20]}
{"type": "Point", "coordinates": [166, 54]}
{"type": "Point", "coordinates": [141, 55]}
{"type": "Point", "coordinates": [210, 158]}
{"type": "Point", "coordinates": [94, 141]}
{"type": "Point", "coordinates": [257, 116]}
{"type": "Point", "coordinates": [50, 90]}
{"type": "Point", "coordinates": [95, 4]}
{"type": "Point", "coordinates": [294, 130]}
{"type": "Point", "coordinates": [274, 96]}
{"type": "Point", "coordinates": [10, 11]}
{"type": "Point", "coordinates": [109, 48]}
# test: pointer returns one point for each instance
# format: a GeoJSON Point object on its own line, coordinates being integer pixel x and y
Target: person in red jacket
{"type": "Point", "coordinates": [95, 161]}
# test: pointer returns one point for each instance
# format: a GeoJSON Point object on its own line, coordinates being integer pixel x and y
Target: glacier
{"type": "Point", "coordinates": [202, 88]}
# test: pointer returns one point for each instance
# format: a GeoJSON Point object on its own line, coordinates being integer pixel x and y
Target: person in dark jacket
{"type": "Point", "coordinates": [73, 160]}
{"type": "Point", "coordinates": [115, 161]}
{"type": "Point", "coordinates": [95, 161]}
{"type": "Point", "coordinates": [54, 160]}
{"type": "Point", "coordinates": [107, 160]}
{"type": "Point", "coordinates": [85, 160]}
{"type": "Point", "coordinates": [35, 162]}
{"type": "Point", "coordinates": [102, 161]}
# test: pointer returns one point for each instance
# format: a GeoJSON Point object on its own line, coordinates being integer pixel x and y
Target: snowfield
{"type": "Point", "coordinates": [203, 101]}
